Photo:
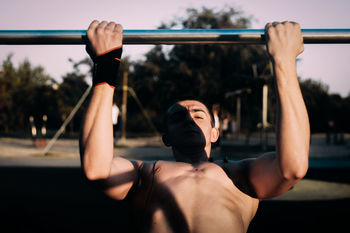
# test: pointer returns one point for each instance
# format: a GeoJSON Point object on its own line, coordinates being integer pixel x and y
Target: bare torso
{"type": "Point", "coordinates": [182, 197]}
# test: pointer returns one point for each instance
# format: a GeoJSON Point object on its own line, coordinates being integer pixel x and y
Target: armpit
{"type": "Point", "coordinates": [239, 173]}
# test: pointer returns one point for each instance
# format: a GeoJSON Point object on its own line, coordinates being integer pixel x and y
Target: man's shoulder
{"type": "Point", "coordinates": [239, 172]}
{"type": "Point", "coordinates": [149, 168]}
{"type": "Point", "coordinates": [234, 165]}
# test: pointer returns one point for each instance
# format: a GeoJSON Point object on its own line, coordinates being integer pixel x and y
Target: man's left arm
{"type": "Point", "coordinates": [275, 173]}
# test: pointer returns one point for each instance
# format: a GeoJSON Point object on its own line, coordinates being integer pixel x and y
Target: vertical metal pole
{"type": "Point", "coordinates": [264, 112]}
{"type": "Point", "coordinates": [264, 117]}
{"type": "Point", "coordinates": [271, 68]}
{"type": "Point", "coordinates": [255, 70]}
{"type": "Point", "coordinates": [238, 113]}
{"type": "Point", "coordinates": [124, 104]}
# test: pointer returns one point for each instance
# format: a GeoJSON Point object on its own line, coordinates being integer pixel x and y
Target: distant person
{"type": "Point", "coordinates": [115, 122]}
{"type": "Point", "coordinates": [194, 194]}
{"type": "Point", "coordinates": [33, 131]}
{"type": "Point", "coordinates": [330, 131]}
{"type": "Point", "coordinates": [233, 127]}
{"type": "Point", "coordinates": [43, 131]}
{"type": "Point", "coordinates": [225, 130]}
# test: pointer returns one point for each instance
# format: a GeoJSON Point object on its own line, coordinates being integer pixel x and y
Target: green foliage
{"type": "Point", "coordinates": [28, 91]}
{"type": "Point", "coordinates": [314, 93]}
{"type": "Point", "coordinates": [205, 72]}
{"type": "Point", "coordinates": [209, 72]}
{"type": "Point", "coordinates": [324, 107]}
{"type": "Point", "coordinates": [68, 95]}
{"type": "Point", "coordinates": [169, 73]}
{"type": "Point", "coordinates": [21, 95]}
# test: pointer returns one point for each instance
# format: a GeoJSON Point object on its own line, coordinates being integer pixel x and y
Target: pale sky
{"type": "Point", "coordinates": [328, 63]}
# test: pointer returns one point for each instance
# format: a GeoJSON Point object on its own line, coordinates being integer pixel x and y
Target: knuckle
{"type": "Point", "coordinates": [95, 21]}
{"type": "Point", "coordinates": [99, 30]}
{"type": "Point", "coordinates": [268, 27]}
{"type": "Point", "coordinates": [119, 28]}
{"type": "Point", "coordinates": [107, 29]}
{"type": "Point", "coordinates": [111, 24]}
{"type": "Point", "coordinates": [89, 32]}
{"type": "Point", "coordinates": [279, 26]}
{"type": "Point", "coordinates": [270, 32]}
{"type": "Point", "coordinates": [93, 25]}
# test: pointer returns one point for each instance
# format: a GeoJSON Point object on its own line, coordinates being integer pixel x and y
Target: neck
{"type": "Point", "coordinates": [191, 156]}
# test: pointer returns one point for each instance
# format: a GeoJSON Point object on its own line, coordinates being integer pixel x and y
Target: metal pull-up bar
{"type": "Point", "coordinates": [169, 36]}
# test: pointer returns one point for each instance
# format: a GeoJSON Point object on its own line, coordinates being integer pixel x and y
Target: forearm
{"type": "Point", "coordinates": [97, 134]}
{"type": "Point", "coordinates": [293, 130]}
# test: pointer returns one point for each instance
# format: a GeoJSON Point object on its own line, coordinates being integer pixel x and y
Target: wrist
{"type": "Point", "coordinates": [285, 66]}
{"type": "Point", "coordinates": [106, 67]}
{"type": "Point", "coordinates": [104, 89]}
{"type": "Point", "coordinates": [285, 73]}
{"type": "Point", "coordinates": [284, 61]}
{"type": "Point", "coordinates": [109, 50]}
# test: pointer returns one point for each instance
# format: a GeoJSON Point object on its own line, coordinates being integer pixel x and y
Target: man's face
{"type": "Point", "coordinates": [189, 126]}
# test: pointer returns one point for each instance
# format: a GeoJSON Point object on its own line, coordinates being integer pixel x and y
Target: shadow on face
{"type": "Point", "coordinates": [182, 132]}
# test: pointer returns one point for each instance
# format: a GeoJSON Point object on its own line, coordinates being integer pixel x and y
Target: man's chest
{"type": "Point", "coordinates": [197, 186]}
{"type": "Point", "coordinates": [195, 193]}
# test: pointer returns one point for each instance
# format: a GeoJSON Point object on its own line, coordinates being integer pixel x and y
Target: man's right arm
{"type": "Point", "coordinates": [273, 174]}
{"type": "Point", "coordinates": [96, 141]}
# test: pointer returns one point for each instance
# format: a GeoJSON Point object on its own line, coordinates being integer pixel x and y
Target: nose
{"type": "Point", "coordinates": [188, 120]}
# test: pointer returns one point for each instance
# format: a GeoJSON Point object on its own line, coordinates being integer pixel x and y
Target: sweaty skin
{"type": "Point", "coordinates": [192, 194]}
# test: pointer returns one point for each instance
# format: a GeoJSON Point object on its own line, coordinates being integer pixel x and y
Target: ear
{"type": "Point", "coordinates": [166, 140]}
{"type": "Point", "coordinates": [214, 135]}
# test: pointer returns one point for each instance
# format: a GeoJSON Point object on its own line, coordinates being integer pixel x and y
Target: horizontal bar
{"type": "Point", "coordinates": [169, 36]}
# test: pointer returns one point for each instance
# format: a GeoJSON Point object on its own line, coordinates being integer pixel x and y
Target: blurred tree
{"type": "Point", "coordinates": [7, 84]}
{"type": "Point", "coordinates": [346, 114]}
{"type": "Point", "coordinates": [315, 93]}
{"type": "Point", "coordinates": [205, 72]}
{"type": "Point", "coordinates": [20, 95]}
{"type": "Point", "coordinates": [70, 91]}
{"type": "Point", "coordinates": [168, 73]}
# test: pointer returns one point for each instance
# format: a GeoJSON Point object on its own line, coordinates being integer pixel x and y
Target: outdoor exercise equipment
{"type": "Point", "coordinates": [170, 36]}
{"type": "Point", "coordinates": [163, 36]}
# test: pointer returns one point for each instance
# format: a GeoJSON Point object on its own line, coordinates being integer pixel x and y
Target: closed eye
{"type": "Point", "coordinates": [198, 113]}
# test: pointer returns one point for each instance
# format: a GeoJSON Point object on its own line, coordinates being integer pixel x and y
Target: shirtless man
{"type": "Point", "coordinates": [194, 194]}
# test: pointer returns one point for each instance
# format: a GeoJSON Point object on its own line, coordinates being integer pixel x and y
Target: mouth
{"type": "Point", "coordinates": [191, 131]}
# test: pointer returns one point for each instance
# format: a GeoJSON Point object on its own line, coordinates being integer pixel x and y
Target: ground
{"type": "Point", "coordinates": [46, 193]}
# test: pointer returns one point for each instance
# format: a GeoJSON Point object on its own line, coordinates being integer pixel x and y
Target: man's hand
{"type": "Point", "coordinates": [104, 36]}
{"type": "Point", "coordinates": [284, 41]}
{"type": "Point", "coordinates": [105, 49]}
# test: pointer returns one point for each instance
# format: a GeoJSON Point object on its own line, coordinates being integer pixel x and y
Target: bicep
{"type": "Point", "coordinates": [122, 176]}
{"type": "Point", "coordinates": [266, 178]}
{"type": "Point", "coordinates": [259, 177]}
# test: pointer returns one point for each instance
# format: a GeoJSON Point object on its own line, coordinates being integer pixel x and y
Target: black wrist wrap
{"type": "Point", "coordinates": [106, 68]}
